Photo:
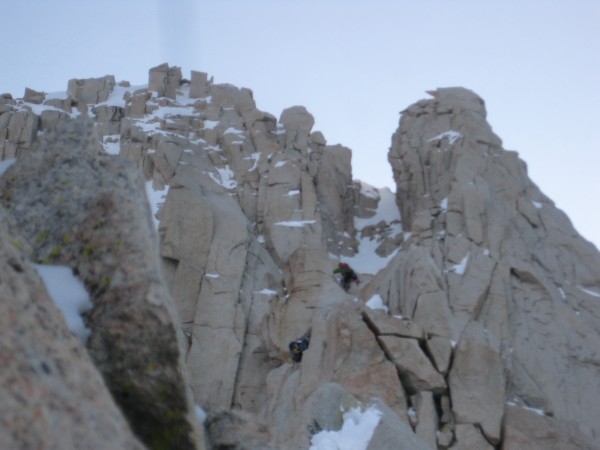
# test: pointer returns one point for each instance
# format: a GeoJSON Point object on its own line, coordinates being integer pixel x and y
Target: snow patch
{"type": "Point", "coordinates": [387, 210]}
{"type": "Point", "coordinates": [293, 192]}
{"type": "Point", "coordinates": [224, 177]}
{"type": "Point", "coordinates": [376, 302]}
{"type": "Point", "coordinates": [68, 294]}
{"type": "Point", "coordinates": [212, 275]}
{"type": "Point", "coordinates": [210, 124]}
{"type": "Point", "coordinates": [295, 223]}
{"type": "Point", "coordinates": [444, 204]}
{"type": "Point", "coordinates": [356, 432]}
{"type": "Point", "coordinates": [459, 268]}
{"type": "Point", "coordinates": [589, 292]}
{"type": "Point", "coordinates": [156, 198]}
{"type": "Point", "coordinates": [266, 291]}
{"type": "Point", "coordinates": [369, 191]}
{"type": "Point", "coordinates": [280, 163]}
{"type": "Point", "coordinates": [451, 135]}
{"type": "Point", "coordinates": [200, 413]}
{"type": "Point", "coordinates": [255, 157]}
{"type": "Point", "coordinates": [4, 165]}
{"type": "Point", "coordinates": [112, 144]}
{"type": "Point", "coordinates": [538, 205]}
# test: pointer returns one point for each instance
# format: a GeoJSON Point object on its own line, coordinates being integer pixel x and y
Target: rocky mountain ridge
{"type": "Point", "coordinates": [475, 326]}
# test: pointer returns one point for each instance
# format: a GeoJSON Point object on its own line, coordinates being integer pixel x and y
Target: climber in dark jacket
{"type": "Point", "coordinates": [299, 346]}
{"type": "Point", "coordinates": [348, 275]}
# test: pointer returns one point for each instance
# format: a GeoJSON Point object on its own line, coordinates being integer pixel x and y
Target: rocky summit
{"type": "Point", "coordinates": [245, 292]}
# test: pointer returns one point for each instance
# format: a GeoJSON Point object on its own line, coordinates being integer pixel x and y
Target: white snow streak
{"type": "Point", "coordinates": [295, 223]}
{"type": "Point", "coordinates": [450, 134]}
{"type": "Point", "coordinates": [156, 198]}
{"type": "Point", "coordinates": [68, 294]}
{"type": "Point", "coordinates": [589, 292]}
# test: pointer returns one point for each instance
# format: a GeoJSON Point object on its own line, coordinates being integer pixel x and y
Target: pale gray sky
{"type": "Point", "coordinates": [354, 64]}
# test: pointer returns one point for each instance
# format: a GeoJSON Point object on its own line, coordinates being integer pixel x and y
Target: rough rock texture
{"type": "Point", "coordinates": [52, 395]}
{"type": "Point", "coordinates": [79, 207]}
{"type": "Point", "coordinates": [485, 295]}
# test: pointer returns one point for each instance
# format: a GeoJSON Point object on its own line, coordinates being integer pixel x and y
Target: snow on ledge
{"type": "Point", "coordinates": [376, 302]}
{"type": "Point", "coordinates": [356, 432]}
{"type": "Point", "coordinates": [295, 223]}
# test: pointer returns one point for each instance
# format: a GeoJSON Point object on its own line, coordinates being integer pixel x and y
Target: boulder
{"type": "Point", "coordinates": [297, 122]}
{"type": "Point", "coordinates": [91, 91]}
{"type": "Point", "coordinates": [164, 80]}
{"type": "Point", "coordinates": [477, 387]}
{"type": "Point", "coordinates": [32, 96]}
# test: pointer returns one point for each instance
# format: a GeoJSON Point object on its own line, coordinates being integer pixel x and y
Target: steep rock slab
{"type": "Point", "coordinates": [468, 437]}
{"type": "Point", "coordinates": [219, 323]}
{"type": "Point", "coordinates": [52, 396]}
{"type": "Point", "coordinates": [80, 207]}
{"type": "Point", "coordinates": [477, 387]}
{"type": "Point", "coordinates": [524, 428]}
{"type": "Point", "coordinates": [415, 369]}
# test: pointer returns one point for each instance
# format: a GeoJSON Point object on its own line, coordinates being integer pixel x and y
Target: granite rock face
{"type": "Point", "coordinates": [52, 395]}
{"type": "Point", "coordinates": [477, 303]}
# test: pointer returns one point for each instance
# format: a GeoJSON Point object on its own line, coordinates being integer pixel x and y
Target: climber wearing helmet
{"type": "Point", "coordinates": [348, 275]}
{"type": "Point", "coordinates": [299, 346]}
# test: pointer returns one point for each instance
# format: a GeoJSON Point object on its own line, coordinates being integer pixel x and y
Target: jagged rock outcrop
{"type": "Point", "coordinates": [477, 302]}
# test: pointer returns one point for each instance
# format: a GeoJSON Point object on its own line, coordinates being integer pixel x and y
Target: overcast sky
{"type": "Point", "coordinates": [355, 64]}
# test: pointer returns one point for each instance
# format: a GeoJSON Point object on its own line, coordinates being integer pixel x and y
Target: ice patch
{"type": "Point", "coordinates": [68, 294]}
